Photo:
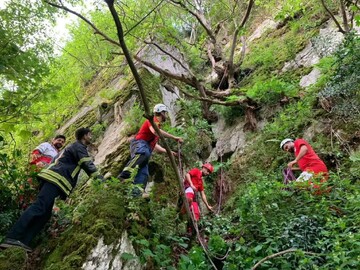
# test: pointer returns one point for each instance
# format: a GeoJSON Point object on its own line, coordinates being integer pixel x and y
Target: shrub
{"type": "Point", "coordinates": [271, 91]}
{"type": "Point", "coordinates": [341, 95]}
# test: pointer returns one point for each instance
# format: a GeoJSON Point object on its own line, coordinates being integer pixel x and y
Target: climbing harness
{"type": "Point", "coordinates": [288, 176]}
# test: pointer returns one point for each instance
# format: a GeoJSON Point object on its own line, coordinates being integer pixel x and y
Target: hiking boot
{"type": "Point", "coordinates": [15, 243]}
{"type": "Point", "coordinates": [145, 195]}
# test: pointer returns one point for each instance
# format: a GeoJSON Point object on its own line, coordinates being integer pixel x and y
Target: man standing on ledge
{"type": "Point", "coordinates": [141, 148]}
{"type": "Point", "coordinates": [309, 162]}
{"type": "Point", "coordinates": [58, 179]}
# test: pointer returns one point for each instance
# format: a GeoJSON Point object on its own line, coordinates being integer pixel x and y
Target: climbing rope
{"type": "Point", "coordinates": [192, 215]}
{"type": "Point", "coordinates": [201, 241]}
{"type": "Point", "coordinates": [181, 172]}
{"type": "Point", "coordinates": [221, 184]}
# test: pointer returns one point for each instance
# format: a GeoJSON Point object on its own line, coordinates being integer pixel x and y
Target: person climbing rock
{"type": "Point", "coordinates": [310, 164]}
{"type": "Point", "coordinates": [58, 179]}
{"type": "Point", "coordinates": [44, 153]}
{"type": "Point", "coordinates": [193, 183]}
{"type": "Point", "coordinates": [141, 148]}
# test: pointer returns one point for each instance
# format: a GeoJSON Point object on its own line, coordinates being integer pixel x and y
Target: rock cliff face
{"type": "Point", "coordinates": [111, 149]}
{"type": "Point", "coordinates": [102, 256]}
{"type": "Point", "coordinates": [105, 227]}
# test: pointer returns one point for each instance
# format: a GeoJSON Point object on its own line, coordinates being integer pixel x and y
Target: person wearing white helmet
{"type": "Point", "coordinates": [309, 162]}
{"type": "Point", "coordinates": [141, 147]}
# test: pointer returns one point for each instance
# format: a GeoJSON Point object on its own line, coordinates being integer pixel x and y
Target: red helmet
{"type": "Point", "coordinates": [209, 167]}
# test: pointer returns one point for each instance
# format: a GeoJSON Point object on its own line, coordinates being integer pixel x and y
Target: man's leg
{"type": "Point", "coordinates": [196, 210]}
{"type": "Point", "coordinates": [36, 216]}
{"type": "Point", "coordinates": [142, 175]}
{"type": "Point", "coordinates": [130, 167]}
{"type": "Point", "coordinates": [140, 155]}
{"type": "Point", "coordinates": [304, 176]}
{"type": "Point", "coordinates": [194, 207]}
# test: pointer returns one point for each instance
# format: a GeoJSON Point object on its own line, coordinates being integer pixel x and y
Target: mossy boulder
{"type": "Point", "coordinates": [13, 258]}
{"type": "Point", "coordinates": [99, 212]}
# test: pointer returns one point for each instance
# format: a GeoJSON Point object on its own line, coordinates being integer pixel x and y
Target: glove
{"type": "Point", "coordinates": [101, 178]}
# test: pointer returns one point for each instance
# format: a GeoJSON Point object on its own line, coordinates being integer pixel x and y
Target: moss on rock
{"type": "Point", "coordinates": [102, 215]}
{"type": "Point", "coordinates": [12, 258]}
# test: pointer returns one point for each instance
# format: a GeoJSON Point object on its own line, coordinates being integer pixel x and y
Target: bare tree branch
{"type": "Point", "coordinates": [214, 101]}
{"type": "Point", "coordinates": [147, 15]}
{"type": "Point", "coordinates": [200, 18]}
{"type": "Point", "coordinates": [233, 45]}
{"type": "Point", "coordinates": [211, 57]}
{"type": "Point", "coordinates": [97, 31]}
{"type": "Point", "coordinates": [219, 94]}
{"type": "Point", "coordinates": [166, 73]}
{"type": "Point", "coordinates": [341, 30]}
{"type": "Point", "coordinates": [193, 82]}
{"type": "Point", "coordinates": [170, 55]}
{"type": "Point", "coordinates": [344, 16]}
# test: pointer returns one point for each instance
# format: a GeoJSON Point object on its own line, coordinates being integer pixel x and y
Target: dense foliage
{"type": "Point", "coordinates": [15, 191]}
{"type": "Point", "coordinates": [40, 92]}
{"type": "Point", "coordinates": [341, 94]}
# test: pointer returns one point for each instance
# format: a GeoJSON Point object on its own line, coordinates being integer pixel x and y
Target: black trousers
{"type": "Point", "coordinates": [35, 217]}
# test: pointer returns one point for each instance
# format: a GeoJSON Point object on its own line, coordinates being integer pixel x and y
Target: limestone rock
{"type": "Point", "coordinates": [164, 61]}
{"type": "Point", "coordinates": [108, 257]}
{"type": "Point", "coordinates": [81, 114]}
{"type": "Point", "coordinates": [324, 44]}
{"type": "Point", "coordinates": [310, 78]}
{"type": "Point", "coordinates": [262, 28]}
{"type": "Point", "coordinates": [228, 139]}
{"type": "Point", "coordinates": [169, 99]}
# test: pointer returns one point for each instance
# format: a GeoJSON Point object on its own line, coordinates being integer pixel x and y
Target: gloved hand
{"type": "Point", "coordinates": [101, 178]}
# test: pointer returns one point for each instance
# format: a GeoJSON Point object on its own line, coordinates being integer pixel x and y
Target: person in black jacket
{"type": "Point", "coordinates": [59, 179]}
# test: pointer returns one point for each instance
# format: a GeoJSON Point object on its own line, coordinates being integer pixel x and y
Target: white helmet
{"type": "Point", "coordinates": [158, 108]}
{"type": "Point", "coordinates": [285, 141]}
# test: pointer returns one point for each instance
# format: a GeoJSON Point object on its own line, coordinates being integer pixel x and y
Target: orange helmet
{"type": "Point", "coordinates": [209, 167]}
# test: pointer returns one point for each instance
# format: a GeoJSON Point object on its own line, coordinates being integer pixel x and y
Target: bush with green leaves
{"type": "Point", "coordinates": [342, 92]}
{"type": "Point", "coordinates": [271, 91]}
{"type": "Point", "coordinates": [264, 219]}
{"type": "Point", "coordinates": [14, 189]}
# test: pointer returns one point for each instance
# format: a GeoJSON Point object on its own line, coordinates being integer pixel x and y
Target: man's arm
{"type": "Point", "coordinates": [167, 135]}
{"type": "Point", "coordinates": [302, 152]}
{"type": "Point", "coordinates": [159, 149]}
{"type": "Point", "coordinates": [35, 155]}
{"type": "Point", "coordinates": [38, 151]}
{"type": "Point", "coordinates": [203, 197]}
{"type": "Point", "coordinates": [188, 178]}
{"type": "Point", "coordinates": [86, 163]}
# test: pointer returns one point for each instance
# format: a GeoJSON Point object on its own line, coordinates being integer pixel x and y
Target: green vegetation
{"type": "Point", "coordinates": [260, 217]}
{"type": "Point", "coordinates": [14, 258]}
{"type": "Point", "coordinates": [341, 94]}
{"type": "Point", "coordinates": [98, 211]}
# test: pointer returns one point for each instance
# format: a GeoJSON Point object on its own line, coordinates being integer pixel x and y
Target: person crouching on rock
{"type": "Point", "coordinates": [312, 167]}
{"type": "Point", "coordinates": [142, 147]}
